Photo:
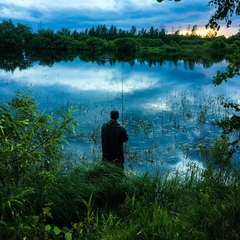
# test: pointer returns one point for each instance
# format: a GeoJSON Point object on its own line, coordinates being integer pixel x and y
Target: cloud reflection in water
{"type": "Point", "coordinates": [162, 105]}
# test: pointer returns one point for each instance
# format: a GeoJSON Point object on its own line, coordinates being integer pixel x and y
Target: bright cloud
{"type": "Point", "coordinates": [90, 79]}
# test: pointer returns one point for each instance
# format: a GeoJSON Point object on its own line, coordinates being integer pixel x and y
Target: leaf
{"type": "Point", "coordinates": [3, 223]}
{"type": "Point", "coordinates": [48, 227]}
{"type": "Point", "coordinates": [33, 220]}
{"type": "Point", "coordinates": [2, 130]}
{"type": "Point", "coordinates": [46, 212]}
{"type": "Point", "coordinates": [68, 236]}
{"type": "Point", "coordinates": [56, 230]}
{"type": "Point", "coordinates": [24, 121]}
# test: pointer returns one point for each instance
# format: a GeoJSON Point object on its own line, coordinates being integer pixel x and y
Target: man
{"type": "Point", "coordinates": [113, 136]}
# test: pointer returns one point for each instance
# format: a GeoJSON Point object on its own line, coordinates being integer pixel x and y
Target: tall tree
{"type": "Point", "coordinates": [133, 31]}
{"type": "Point", "coordinates": [113, 32]}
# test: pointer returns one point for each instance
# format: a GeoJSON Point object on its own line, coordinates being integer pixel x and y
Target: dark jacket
{"type": "Point", "coordinates": [113, 136]}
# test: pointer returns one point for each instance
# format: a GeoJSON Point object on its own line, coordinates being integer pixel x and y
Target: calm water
{"type": "Point", "coordinates": [167, 109]}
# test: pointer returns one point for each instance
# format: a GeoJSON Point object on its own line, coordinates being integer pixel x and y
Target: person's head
{"type": "Point", "coordinates": [114, 115]}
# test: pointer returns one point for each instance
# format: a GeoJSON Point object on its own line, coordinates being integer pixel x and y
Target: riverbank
{"type": "Point", "coordinates": [100, 202]}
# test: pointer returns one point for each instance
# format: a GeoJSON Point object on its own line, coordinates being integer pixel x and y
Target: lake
{"type": "Point", "coordinates": [168, 108]}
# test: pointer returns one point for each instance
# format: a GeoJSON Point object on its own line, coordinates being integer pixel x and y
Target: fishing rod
{"type": "Point", "coordinates": [122, 96]}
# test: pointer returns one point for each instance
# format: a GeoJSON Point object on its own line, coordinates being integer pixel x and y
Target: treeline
{"type": "Point", "coordinates": [21, 47]}
{"type": "Point", "coordinates": [100, 38]}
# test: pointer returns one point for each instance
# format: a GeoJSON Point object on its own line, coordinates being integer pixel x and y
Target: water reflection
{"type": "Point", "coordinates": [168, 109]}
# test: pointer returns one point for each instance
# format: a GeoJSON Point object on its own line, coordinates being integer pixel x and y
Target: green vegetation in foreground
{"type": "Point", "coordinates": [41, 199]}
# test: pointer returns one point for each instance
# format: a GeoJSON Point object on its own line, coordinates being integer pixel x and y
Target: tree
{"type": "Point", "coordinates": [43, 39]}
{"type": "Point", "coordinates": [9, 37]}
{"type": "Point", "coordinates": [225, 9]}
{"type": "Point", "coordinates": [25, 33]}
{"type": "Point", "coordinates": [133, 31]}
{"type": "Point", "coordinates": [113, 32]}
{"type": "Point", "coordinates": [142, 33]}
{"type": "Point", "coordinates": [194, 30]}
{"type": "Point", "coordinates": [94, 45]}
{"type": "Point", "coordinates": [125, 45]}
{"type": "Point", "coordinates": [151, 32]}
{"type": "Point", "coordinates": [64, 31]}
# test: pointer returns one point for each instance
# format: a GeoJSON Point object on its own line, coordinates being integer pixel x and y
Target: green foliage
{"type": "Point", "coordinates": [44, 39]}
{"type": "Point", "coordinates": [218, 155]}
{"type": "Point", "coordinates": [12, 59]}
{"type": "Point", "coordinates": [218, 44]}
{"type": "Point", "coordinates": [224, 11]}
{"type": "Point", "coordinates": [146, 42]}
{"type": "Point", "coordinates": [30, 141]}
{"type": "Point", "coordinates": [237, 43]}
{"type": "Point", "coordinates": [101, 202]}
{"type": "Point", "coordinates": [122, 44]}
{"type": "Point", "coordinates": [230, 125]}
{"type": "Point", "coordinates": [126, 45]}
{"type": "Point", "coordinates": [216, 49]}
{"type": "Point", "coordinates": [231, 71]}
{"type": "Point", "coordinates": [94, 45]}
{"type": "Point", "coordinates": [13, 37]}
{"type": "Point", "coordinates": [31, 153]}
{"type": "Point", "coordinates": [231, 128]}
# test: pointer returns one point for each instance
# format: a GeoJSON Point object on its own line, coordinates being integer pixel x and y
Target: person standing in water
{"type": "Point", "coordinates": [113, 135]}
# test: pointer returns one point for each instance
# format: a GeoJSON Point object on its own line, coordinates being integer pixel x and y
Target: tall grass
{"type": "Point", "coordinates": [101, 202]}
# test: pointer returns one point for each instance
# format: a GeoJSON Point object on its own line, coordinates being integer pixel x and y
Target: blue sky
{"type": "Point", "coordinates": [81, 14]}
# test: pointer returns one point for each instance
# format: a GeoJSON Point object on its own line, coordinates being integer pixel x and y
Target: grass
{"type": "Point", "coordinates": [101, 202]}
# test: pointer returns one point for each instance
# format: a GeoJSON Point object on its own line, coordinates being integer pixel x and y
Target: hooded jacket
{"type": "Point", "coordinates": [113, 135]}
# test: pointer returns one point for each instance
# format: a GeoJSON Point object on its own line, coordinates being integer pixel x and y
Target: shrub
{"type": "Point", "coordinates": [126, 45]}
{"type": "Point", "coordinates": [31, 153]}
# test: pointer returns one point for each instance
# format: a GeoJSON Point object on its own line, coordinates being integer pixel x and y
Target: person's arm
{"type": "Point", "coordinates": [124, 135]}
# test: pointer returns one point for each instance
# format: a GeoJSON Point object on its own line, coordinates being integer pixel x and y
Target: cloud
{"type": "Point", "coordinates": [88, 79]}
{"type": "Point", "coordinates": [75, 14]}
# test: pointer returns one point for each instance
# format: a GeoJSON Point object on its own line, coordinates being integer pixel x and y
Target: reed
{"type": "Point", "coordinates": [171, 133]}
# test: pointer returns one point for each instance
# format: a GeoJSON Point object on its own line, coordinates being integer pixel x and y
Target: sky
{"type": "Point", "coordinates": [82, 14]}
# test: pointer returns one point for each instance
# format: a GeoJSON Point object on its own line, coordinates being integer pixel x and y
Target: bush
{"type": "Point", "coordinates": [31, 153]}
{"type": "Point", "coordinates": [30, 141]}
{"type": "Point", "coordinates": [145, 42]}
{"type": "Point", "coordinates": [94, 45]}
{"type": "Point", "coordinates": [125, 45]}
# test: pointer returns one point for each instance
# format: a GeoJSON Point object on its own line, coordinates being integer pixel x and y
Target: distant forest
{"type": "Point", "coordinates": [99, 38]}
{"type": "Point", "coordinates": [20, 46]}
